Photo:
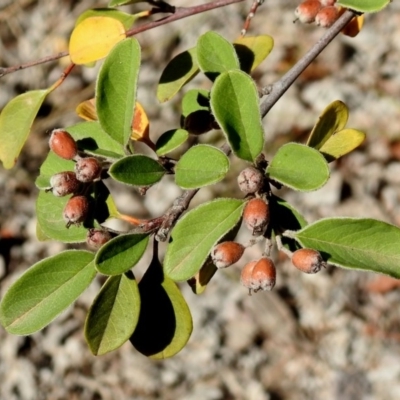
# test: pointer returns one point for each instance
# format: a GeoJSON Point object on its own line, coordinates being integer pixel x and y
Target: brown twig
{"type": "Point", "coordinates": [250, 16]}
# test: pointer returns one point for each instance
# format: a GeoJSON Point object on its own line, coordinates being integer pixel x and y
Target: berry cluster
{"type": "Point", "coordinates": [86, 171]}
{"type": "Point", "coordinates": [260, 274]}
{"type": "Point", "coordinates": [323, 12]}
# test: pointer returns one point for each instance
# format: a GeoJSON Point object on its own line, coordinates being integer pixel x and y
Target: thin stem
{"type": "Point", "coordinates": [276, 90]}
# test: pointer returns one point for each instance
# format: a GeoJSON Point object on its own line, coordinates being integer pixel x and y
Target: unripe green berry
{"type": "Point", "coordinates": [63, 144]}
{"type": "Point", "coordinates": [250, 180]}
{"type": "Point", "coordinates": [95, 238]}
{"type": "Point", "coordinates": [308, 260]}
{"type": "Point", "coordinates": [88, 169]}
{"type": "Point", "coordinates": [64, 183]}
{"type": "Point", "coordinates": [307, 11]}
{"type": "Point", "coordinates": [256, 215]}
{"type": "Point", "coordinates": [327, 16]}
{"type": "Point", "coordinates": [76, 210]}
{"type": "Point", "coordinates": [226, 253]}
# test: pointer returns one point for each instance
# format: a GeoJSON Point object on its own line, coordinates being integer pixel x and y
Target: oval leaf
{"type": "Point", "coordinates": [141, 126]}
{"type": "Point", "coordinates": [199, 281]}
{"type": "Point", "coordinates": [116, 90]}
{"type": "Point", "coordinates": [195, 100]}
{"type": "Point", "coordinates": [341, 143]}
{"type": "Point", "coordinates": [200, 166]}
{"type": "Point", "coordinates": [215, 55]}
{"type": "Point", "coordinates": [114, 314]}
{"type": "Point", "coordinates": [165, 323]}
{"type": "Point", "coordinates": [196, 233]}
{"type": "Point", "coordinates": [364, 5]}
{"type": "Point", "coordinates": [87, 110]}
{"type": "Point", "coordinates": [365, 244]}
{"type": "Point", "coordinates": [126, 19]}
{"type": "Point", "coordinates": [137, 170]}
{"type": "Point", "coordinates": [179, 71]}
{"type": "Point", "coordinates": [252, 50]}
{"type": "Point", "coordinates": [299, 167]}
{"type": "Point", "coordinates": [235, 105]}
{"type": "Point", "coordinates": [16, 120]}
{"type": "Point", "coordinates": [93, 39]}
{"type": "Point", "coordinates": [121, 253]}
{"type": "Point", "coordinates": [45, 290]}
{"type": "Point", "coordinates": [171, 140]}
{"type": "Point", "coordinates": [333, 118]}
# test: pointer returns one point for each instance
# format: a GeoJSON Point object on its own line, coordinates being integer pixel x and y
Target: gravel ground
{"type": "Point", "coordinates": [335, 335]}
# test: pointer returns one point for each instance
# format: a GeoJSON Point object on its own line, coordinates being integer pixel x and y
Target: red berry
{"type": "Point", "coordinates": [327, 16]}
{"type": "Point", "coordinates": [259, 275]}
{"type": "Point", "coordinates": [226, 253]}
{"type": "Point", "coordinates": [256, 215]}
{"type": "Point", "coordinates": [64, 183]}
{"type": "Point", "coordinates": [95, 238]}
{"type": "Point", "coordinates": [250, 180]}
{"type": "Point", "coordinates": [63, 144]}
{"type": "Point", "coordinates": [308, 260]}
{"type": "Point", "coordinates": [307, 11]}
{"type": "Point", "coordinates": [76, 210]}
{"type": "Point", "coordinates": [87, 169]}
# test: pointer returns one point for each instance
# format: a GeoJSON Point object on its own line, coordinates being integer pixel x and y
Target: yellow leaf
{"type": "Point", "coordinates": [354, 27]}
{"type": "Point", "coordinates": [141, 126]}
{"type": "Point", "coordinates": [341, 143]}
{"type": "Point", "coordinates": [333, 119]}
{"type": "Point", "coordinates": [253, 50]}
{"type": "Point", "coordinates": [87, 110]}
{"type": "Point", "coordinates": [93, 38]}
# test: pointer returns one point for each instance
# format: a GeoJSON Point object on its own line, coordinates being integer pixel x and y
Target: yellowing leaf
{"type": "Point", "coordinates": [93, 38]}
{"type": "Point", "coordinates": [341, 143]}
{"type": "Point", "coordinates": [252, 50]}
{"type": "Point", "coordinates": [334, 118]}
{"type": "Point", "coordinates": [354, 27]}
{"type": "Point", "coordinates": [140, 124]}
{"type": "Point", "coordinates": [87, 110]}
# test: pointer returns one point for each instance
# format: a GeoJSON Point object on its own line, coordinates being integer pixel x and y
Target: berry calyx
{"type": "Point", "coordinates": [76, 210]}
{"type": "Point", "coordinates": [307, 11]}
{"type": "Point", "coordinates": [64, 183]}
{"type": "Point", "coordinates": [308, 260]}
{"type": "Point", "coordinates": [87, 169]}
{"type": "Point", "coordinates": [226, 253]}
{"type": "Point", "coordinates": [95, 238]}
{"type": "Point", "coordinates": [250, 180]}
{"type": "Point", "coordinates": [63, 144]}
{"type": "Point", "coordinates": [256, 215]}
{"type": "Point", "coordinates": [327, 16]}
{"type": "Point", "coordinates": [259, 275]}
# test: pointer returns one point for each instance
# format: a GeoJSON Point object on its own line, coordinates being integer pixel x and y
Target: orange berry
{"type": "Point", "coordinates": [307, 11]}
{"type": "Point", "coordinates": [325, 3]}
{"type": "Point", "coordinates": [63, 144]}
{"type": "Point", "coordinates": [250, 180]}
{"type": "Point", "coordinates": [95, 238]}
{"type": "Point", "coordinates": [76, 210]}
{"type": "Point", "coordinates": [259, 275]}
{"type": "Point", "coordinates": [327, 16]}
{"type": "Point", "coordinates": [308, 260]}
{"type": "Point", "coordinates": [64, 183]}
{"type": "Point", "coordinates": [227, 253]}
{"type": "Point", "coordinates": [87, 169]}
{"type": "Point", "coordinates": [256, 215]}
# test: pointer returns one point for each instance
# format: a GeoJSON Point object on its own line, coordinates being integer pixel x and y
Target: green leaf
{"type": "Point", "coordinates": [171, 140]}
{"type": "Point", "coordinates": [116, 90]}
{"type": "Point", "coordinates": [199, 282]}
{"type": "Point", "coordinates": [16, 120]}
{"type": "Point", "coordinates": [215, 55]}
{"type": "Point", "coordinates": [252, 50]}
{"type": "Point", "coordinates": [165, 323]}
{"type": "Point", "coordinates": [201, 165]}
{"type": "Point", "coordinates": [196, 233]}
{"type": "Point", "coordinates": [137, 170]}
{"type": "Point", "coordinates": [333, 118]}
{"type": "Point", "coordinates": [45, 290]}
{"type": "Point", "coordinates": [93, 140]}
{"type": "Point", "coordinates": [114, 3]}
{"type": "Point", "coordinates": [127, 20]}
{"type": "Point", "coordinates": [121, 253]}
{"type": "Point", "coordinates": [342, 143]}
{"type": "Point", "coordinates": [365, 244]}
{"type": "Point", "coordinates": [114, 314]}
{"type": "Point", "coordinates": [179, 71]}
{"type": "Point", "coordinates": [364, 5]}
{"type": "Point", "coordinates": [299, 167]}
{"type": "Point", "coordinates": [235, 105]}
{"type": "Point", "coordinates": [195, 100]}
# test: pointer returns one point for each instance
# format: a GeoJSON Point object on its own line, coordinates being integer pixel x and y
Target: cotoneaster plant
{"type": "Point", "coordinates": [74, 202]}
